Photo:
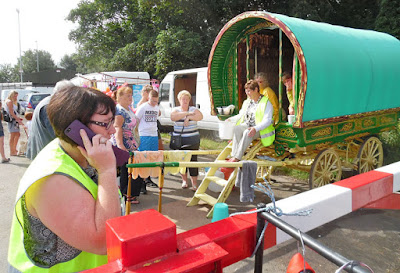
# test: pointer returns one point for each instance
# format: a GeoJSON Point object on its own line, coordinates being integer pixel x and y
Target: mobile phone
{"type": "Point", "coordinates": [73, 132]}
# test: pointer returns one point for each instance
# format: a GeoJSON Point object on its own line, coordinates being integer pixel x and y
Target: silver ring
{"type": "Point", "coordinates": [103, 141]}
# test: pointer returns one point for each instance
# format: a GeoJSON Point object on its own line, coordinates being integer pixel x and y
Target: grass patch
{"type": "Point", "coordinates": [300, 175]}
{"type": "Point", "coordinates": [209, 144]}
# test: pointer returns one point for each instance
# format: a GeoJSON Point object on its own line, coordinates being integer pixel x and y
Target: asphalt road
{"type": "Point", "coordinates": [370, 236]}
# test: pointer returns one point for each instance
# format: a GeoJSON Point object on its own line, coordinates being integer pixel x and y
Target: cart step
{"type": "Point", "coordinates": [206, 198]}
{"type": "Point", "coordinates": [218, 180]}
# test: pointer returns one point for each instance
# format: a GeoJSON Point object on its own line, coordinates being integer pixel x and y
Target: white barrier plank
{"type": "Point", "coordinates": [328, 203]}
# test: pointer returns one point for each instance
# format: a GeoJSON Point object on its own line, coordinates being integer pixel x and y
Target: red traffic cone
{"type": "Point", "coordinates": [296, 265]}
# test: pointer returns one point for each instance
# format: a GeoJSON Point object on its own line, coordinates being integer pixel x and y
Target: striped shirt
{"type": "Point", "coordinates": [188, 131]}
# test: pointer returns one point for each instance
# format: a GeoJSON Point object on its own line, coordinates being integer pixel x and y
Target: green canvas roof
{"type": "Point", "coordinates": [347, 71]}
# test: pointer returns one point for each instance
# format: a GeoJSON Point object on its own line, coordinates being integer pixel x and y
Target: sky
{"type": "Point", "coordinates": [40, 20]}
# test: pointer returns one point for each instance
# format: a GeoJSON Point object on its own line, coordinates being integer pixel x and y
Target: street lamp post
{"type": "Point", "coordinates": [37, 56]}
{"type": "Point", "coordinates": [20, 58]}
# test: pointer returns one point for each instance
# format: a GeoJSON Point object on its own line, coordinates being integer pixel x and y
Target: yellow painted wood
{"type": "Point", "coordinates": [206, 198]}
{"type": "Point", "coordinates": [218, 180]}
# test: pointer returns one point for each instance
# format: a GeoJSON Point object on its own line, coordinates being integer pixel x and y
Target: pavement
{"type": "Point", "coordinates": [367, 235]}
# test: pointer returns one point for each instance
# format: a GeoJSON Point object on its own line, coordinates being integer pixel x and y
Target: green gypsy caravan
{"type": "Point", "coordinates": [346, 89]}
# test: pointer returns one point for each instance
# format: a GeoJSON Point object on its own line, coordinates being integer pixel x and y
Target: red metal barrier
{"type": "Point", "coordinates": [147, 241]}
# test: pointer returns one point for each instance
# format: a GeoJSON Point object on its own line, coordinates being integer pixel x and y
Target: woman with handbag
{"type": "Point", "coordinates": [13, 125]}
{"type": "Point", "coordinates": [186, 118]}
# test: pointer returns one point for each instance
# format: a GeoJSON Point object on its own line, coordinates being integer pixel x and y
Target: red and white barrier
{"type": "Point", "coordinates": [147, 241]}
{"type": "Point", "coordinates": [338, 199]}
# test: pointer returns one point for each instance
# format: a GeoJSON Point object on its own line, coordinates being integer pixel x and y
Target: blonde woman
{"type": "Point", "coordinates": [126, 138]}
{"type": "Point", "coordinates": [13, 126]}
{"type": "Point", "coordinates": [186, 118]}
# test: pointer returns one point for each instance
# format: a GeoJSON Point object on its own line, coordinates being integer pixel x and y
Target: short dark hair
{"type": "Point", "coordinates": [79, 103]}
{"type": "Point", "coordinates": [263, 76]}
{"type": "Point", "coordinates": [286, 75]}
{"type": "Point", "coordinates": [153, 94]}
{"type": "Point", "coordinates": [252, 84]}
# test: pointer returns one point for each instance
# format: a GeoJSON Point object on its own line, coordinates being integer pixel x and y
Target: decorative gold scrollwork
{"type": "Point", "coordinates": [287, 132]}
{"type": "Point", "coordinates": [368, 122]}
{"type": "Point", "coordinates": [387, 120]}
{"type": "Point", "coordinates": [264, 24]}
{"type": "Point", "coordinates": [347, 127]}
{"type": "Point", "coordinates": [324, 132]}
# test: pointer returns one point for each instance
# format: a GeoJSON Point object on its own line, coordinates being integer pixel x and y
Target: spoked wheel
{"type": "Point", "coordinates": [327, 168]}
{"type": "Point", "coordinates": [370, 155]}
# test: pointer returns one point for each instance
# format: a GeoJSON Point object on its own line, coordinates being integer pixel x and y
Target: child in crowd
{"type": "Point", "coordinates": [145, 98]}
{"type": "Point", "coordinates": [145, 94]}
{"type": "Point", "coordinates": [28, 117]}
{"type": "Point", "coordinates": [147, 113]}
{"type": "Point", "coordinates": [27, 129]}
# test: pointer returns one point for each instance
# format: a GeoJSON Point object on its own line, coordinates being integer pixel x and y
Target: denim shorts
{"type": "Point", "coordinates": [148, 143]}
{"type": "Point", "coordinates": [13, 126]}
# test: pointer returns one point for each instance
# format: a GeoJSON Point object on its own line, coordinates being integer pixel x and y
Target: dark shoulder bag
{"type": "Point", "coordinates": [176, 141]}
{"type": "Point", "coordinates": [6, 116]}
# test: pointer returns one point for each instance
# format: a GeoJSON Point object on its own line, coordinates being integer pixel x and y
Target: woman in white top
{"type": "Point", "coordinates": [13, 126]}
{"type": "Point", "coordinates": [186, 118]}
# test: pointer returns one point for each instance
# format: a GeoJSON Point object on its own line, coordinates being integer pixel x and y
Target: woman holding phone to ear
{"type": "Point", "coordinates": [68, 192]}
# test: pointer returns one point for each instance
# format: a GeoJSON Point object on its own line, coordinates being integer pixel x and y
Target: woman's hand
{"type": "Point", "coordinates": [98, 152]}
{"type": "Point", "coordinates": [252, 132]}
{"type": "Point", "coordinates": [186, 122]}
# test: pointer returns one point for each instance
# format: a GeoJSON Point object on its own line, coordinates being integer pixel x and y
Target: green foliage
{"type": "Point", "coordinates": [177, 48]}
{"type": "Point", "coordinates": [68, 62]}
{"type": "Point", "coordinates": [29, 61]}
{"type": "Point", "coordinates": [8, 73]}
{"type": "Point", "coordinates": [388, 19]}
{"type": "Point", "coordinates": [158, 36]}
{"type": "Point", "coordinates": [391, 146]}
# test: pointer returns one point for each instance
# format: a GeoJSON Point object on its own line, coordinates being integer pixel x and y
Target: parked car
{"type": "Point", "coordinates": [30, 101]}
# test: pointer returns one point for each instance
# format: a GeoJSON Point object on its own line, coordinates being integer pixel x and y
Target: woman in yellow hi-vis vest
{"type": "Point", "coordinates": [254, 121]}
{"type": "Point", "coordinates": [67, 193]}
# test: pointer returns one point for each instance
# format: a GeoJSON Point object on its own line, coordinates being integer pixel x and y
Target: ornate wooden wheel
{"type": "Point", "coordinates": [370, 155]}
{"type": "Point", "coordinates": [327, 168]}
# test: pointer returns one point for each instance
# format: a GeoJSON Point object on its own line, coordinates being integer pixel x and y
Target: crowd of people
{"type": "Point", "coordinates": [68, 192]}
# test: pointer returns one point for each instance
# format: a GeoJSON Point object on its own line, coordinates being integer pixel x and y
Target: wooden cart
{"type": "Point", "coordinates": [345, 82]}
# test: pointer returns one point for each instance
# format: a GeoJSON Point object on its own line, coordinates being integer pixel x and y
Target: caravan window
{"type": "Point", "coordinates": [164, 91]}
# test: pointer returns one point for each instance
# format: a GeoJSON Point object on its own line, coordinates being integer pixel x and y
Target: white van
{"type": "Point", "coordinates": [195, 81]}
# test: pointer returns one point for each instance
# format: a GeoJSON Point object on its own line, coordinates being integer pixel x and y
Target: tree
{"type": "Point", "coordinates": [29, 61]}
{"type": "Point", "coordinates": [388, 19]}
{"type": "Point", "coordinates": [158, 36]}
{"type": "Point", "coordinates": [178, 48]}
{"type": "Point", "coordinates": [8, 73]}
{"type": "Point", "coordinates": [68, 62]}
